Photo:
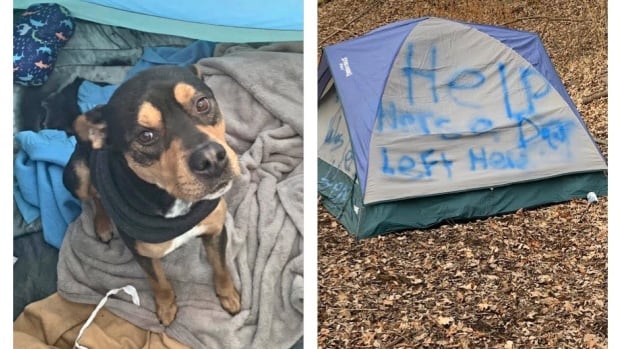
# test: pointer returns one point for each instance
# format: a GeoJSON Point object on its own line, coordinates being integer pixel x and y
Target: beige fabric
{"type": "Point", "coordinates": [55, 322]}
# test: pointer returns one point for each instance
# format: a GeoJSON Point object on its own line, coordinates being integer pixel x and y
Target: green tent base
{"type": "Point", "coordinates": [343, 199]}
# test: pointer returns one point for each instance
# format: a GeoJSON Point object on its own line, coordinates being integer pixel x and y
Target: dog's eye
{"type": "Point", "coordinates": [147, 137]}
{"type": "Point", "coordinates": [202, 105]}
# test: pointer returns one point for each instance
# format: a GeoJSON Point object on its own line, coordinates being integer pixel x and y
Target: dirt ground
{"type": "Point", "coordinates": [532, 279]}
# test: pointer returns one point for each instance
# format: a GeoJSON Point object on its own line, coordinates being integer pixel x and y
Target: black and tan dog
{"type": "Point", "coordinates": [156, 163]}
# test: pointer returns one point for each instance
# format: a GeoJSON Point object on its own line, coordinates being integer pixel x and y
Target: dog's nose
{"type": "Point", "coordinates": [209, 159]}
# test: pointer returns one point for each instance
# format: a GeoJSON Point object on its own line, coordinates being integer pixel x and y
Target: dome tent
{"type": "Point", "coordinates": [427, 120]}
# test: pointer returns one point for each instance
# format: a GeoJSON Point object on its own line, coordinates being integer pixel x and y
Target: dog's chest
{"type": "Point", "coordinates": [178, 208]}
{"type": "Point", "coordinates": [182, 239]}
{"type": "Point", "coordinates": [159, 250]}
{"type": "Point", "coordinates": [212, 224]}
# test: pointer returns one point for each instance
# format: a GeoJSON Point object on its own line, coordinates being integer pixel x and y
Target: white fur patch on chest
{"type": "Point", "coordinates": [182, 239]}
{"type": "Point", "coordinates": [179, 208]}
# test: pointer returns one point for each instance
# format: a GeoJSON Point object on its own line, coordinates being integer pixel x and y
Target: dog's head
{"type": "Point", "coordinates": [166, 123]}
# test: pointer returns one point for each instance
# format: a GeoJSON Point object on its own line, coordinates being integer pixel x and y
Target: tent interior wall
{"type": "Point", "coordinates": [111, 39]}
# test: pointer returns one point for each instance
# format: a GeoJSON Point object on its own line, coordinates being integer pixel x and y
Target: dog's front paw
{"type": "Point", "coordinates": [166, 313]}
{"type": "Point", "coordinates": [104, 236]}
{"type": "Point", "coordinates": [103, 228]}
{"type": "Point", "coordinates": [230, 300]}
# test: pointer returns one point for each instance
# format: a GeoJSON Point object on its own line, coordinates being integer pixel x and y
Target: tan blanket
{"type": "Point", "coordinates": [54, 322]}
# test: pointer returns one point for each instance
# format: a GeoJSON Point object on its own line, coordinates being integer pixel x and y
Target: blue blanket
{"type": "Point", "coordinates": [38, 187]}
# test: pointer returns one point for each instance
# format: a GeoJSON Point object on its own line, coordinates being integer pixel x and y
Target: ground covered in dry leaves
{"type": "Point", "coordinates": [533, 279]}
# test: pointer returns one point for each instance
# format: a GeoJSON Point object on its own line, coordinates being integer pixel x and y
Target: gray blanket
{"type": "Point", "coordinates": [260, 93]}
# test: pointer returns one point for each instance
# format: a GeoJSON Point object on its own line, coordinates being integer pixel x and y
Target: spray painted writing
{"type": "Point", "coordinates": [337, 191]}
{"type": "Point", "coordinates": [419, 166]}
{"type": "Point", "coordinates": [516, 90]}
{"type": "Point", "coordinates": [337, 149]}
{"type": "Point", "coordinates": [334, 136]}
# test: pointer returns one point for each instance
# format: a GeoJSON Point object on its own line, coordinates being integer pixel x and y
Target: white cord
{"type": "Point", "coordinates": [130, 290]}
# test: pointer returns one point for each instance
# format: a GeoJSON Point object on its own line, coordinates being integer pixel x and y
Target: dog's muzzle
{"type": "Point", "coordinates": [209, 160]}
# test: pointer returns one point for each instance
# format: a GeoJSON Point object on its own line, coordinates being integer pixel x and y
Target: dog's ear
{"type": "Point", "coordinates": [91, 128]}
{"type": "Point", "coordinates": [196, 70]}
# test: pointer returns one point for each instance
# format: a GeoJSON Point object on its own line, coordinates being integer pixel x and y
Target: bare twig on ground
{"type": "Point", "coordinates": [555, 19]}
{"type": "Point", "coordinates": [594, 96]}
{"type": "Point", "coordinates": [371, 5]}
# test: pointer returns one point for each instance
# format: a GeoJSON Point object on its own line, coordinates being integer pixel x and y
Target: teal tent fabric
{"type": "Point", "coordinates": [170, 26]}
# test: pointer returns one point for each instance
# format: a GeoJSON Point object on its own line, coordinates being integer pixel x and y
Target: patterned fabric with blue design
{"type": "Point", "coordinates": [38, 33]}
